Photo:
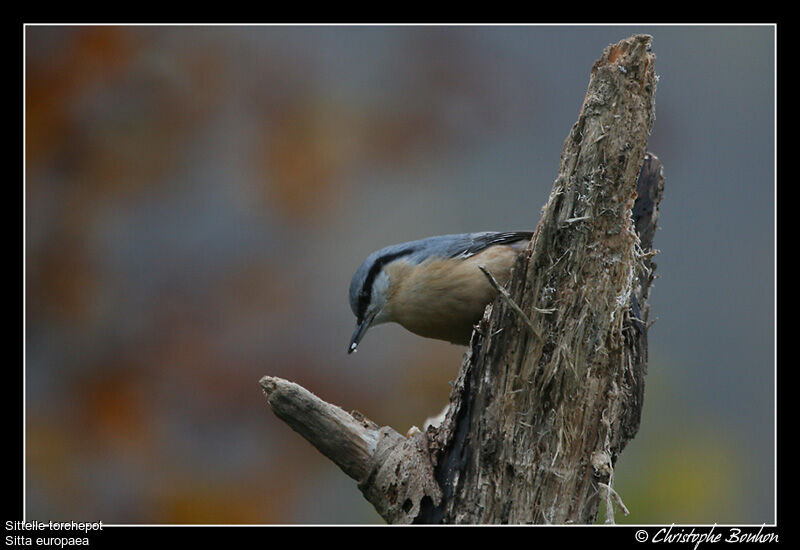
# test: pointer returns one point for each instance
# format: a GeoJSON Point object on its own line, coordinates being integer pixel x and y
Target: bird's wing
{"type": "Point", "coordinates": [477, 242]}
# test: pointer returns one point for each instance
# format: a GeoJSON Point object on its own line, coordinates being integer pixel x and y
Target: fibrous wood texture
{"type": "Point", "coordinates": [551, 388]}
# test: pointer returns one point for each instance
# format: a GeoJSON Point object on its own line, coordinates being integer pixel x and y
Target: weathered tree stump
{"type": "Point", "coordinates": [552, 386]}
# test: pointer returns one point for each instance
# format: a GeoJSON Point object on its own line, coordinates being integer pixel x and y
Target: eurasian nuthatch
{"type": "Point", "coordinates": [433, 286]}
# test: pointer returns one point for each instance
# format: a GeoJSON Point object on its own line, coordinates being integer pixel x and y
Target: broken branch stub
{"type": "Point", "coordinates": [394, 472]}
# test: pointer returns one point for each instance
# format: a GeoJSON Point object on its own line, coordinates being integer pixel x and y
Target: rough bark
{"type": "Point", "coordinates": [552, 386]}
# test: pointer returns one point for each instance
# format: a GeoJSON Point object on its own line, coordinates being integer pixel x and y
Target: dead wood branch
{"type": "Point", "coordinates": [539, 413]}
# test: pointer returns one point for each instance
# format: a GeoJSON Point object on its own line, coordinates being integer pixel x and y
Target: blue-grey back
{"type": "Point", "coordinates": [415, 252]}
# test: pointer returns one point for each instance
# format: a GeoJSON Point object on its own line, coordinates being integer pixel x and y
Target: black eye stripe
{"type": "Point", "coordinates": [366, 289]}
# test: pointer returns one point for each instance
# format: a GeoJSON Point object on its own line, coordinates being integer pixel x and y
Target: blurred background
{"type": "Point", "coordinates": [198, 197]}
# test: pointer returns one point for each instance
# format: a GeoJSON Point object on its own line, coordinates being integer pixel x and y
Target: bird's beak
{"type": "Point", "coordinates": [358, 334]}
